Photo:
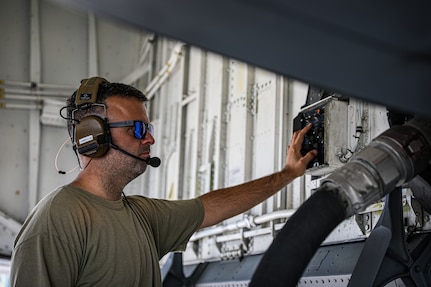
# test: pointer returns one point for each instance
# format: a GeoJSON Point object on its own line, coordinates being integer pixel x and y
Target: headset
{"type": "Point", "coordinates": [90, 135]}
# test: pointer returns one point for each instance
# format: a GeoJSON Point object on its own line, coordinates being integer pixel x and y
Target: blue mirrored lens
{"type": "Point", "coordinates": [141, 129]}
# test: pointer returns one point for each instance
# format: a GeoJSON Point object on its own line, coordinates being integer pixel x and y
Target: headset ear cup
{"type": "Point", "coordinates": [92, 137]}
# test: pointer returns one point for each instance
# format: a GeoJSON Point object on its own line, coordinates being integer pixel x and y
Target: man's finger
{"type": "Point", "coordinates": [306, 129]}
{"type": "Point", "coordinates": [309, 156]}
{"type": "Point", "coordinates": [300, 134]}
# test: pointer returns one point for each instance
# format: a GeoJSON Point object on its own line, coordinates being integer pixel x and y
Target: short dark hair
{"type": "Point", "coordinates": [105, 91]}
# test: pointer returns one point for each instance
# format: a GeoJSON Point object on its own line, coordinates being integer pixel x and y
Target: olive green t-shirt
{"type": "Point", "coordinates": [75, 238]}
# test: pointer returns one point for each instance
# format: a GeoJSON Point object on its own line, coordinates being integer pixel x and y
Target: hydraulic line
{"type": "Point", "coordinates": [390, 160]}
{"type": "Point", "coordinates": [296, 243]}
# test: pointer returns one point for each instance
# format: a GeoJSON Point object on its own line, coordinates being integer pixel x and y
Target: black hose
{"type": "Point", "coordinates": [289, 254]}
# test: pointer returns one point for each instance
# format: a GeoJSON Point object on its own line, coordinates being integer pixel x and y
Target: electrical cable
{"type": "Point", "coordinates": [56, 160]}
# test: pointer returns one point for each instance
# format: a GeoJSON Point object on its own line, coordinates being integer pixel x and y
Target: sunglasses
{"type": "Point", "coordinates": [139, 127]}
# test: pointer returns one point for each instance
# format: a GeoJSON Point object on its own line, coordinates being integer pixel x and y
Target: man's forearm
{"type": "Point", "coordinates": [227, 202]}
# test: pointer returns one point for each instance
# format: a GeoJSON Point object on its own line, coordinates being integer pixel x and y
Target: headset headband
{"type": "Point", "coordinates": [87, 92]}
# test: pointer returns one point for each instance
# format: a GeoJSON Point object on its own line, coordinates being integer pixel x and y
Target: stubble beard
{"type": "Point", "coordinates": [126, 167]}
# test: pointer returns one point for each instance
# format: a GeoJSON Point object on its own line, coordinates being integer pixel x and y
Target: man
{"type": "Point", "coordinates": [88, 233]}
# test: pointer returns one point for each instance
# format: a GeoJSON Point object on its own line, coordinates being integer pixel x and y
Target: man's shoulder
{"type": "Point", "coordinates": [59, 202]}
{"type": "Point", "coordinates": [60, 195]}
{"type": "Point", "coordinates": [39, 221]}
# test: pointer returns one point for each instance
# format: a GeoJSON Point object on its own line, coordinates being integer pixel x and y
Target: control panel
{"type": "Point", "coordinates": [328, 135]}
{"type": "Point", "coordinates": [315, 138]}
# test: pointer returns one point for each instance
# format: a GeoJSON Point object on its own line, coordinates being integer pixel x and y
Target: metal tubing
{"type": "Point", "coordinates": [390, 160]}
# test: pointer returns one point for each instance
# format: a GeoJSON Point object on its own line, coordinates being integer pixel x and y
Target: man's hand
{"type": "Point", "coordinates": [296, 164]}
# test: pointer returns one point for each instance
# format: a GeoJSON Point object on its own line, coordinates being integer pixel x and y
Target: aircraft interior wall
{"type": "Point", "coordinates": [218, 122]}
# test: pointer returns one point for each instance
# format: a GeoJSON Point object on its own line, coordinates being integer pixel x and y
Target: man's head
{"type": "Point", "coordinates": [105, 91]}
{"type": "Point", "coordinates": [114, 128]}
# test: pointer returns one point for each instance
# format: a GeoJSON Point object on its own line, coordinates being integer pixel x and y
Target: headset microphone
{"type": "Point", "coordinates": [152, 161]}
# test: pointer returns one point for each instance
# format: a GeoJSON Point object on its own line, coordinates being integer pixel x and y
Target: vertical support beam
{"type": "Point", "coordinates": [164, 121]}
{"type": "Point", "coordinates": [93, 69]}
{"type": "Point", "coordinates": [35, 66]}
{"type": "Point", "coordinates": [34, 147]}
{"type": "Point", "coordinates": [34, 118]}
{"type": "Point", "coordinates": [202, 126]}
{"type": "Point", "coordinates": [182, 121]}
{"type": "Point", "coordinates": [251, 118]}
{"type": "Point", "coordinates": [219, 156]}
{"type": "Point", "coordinates": [282, 127]}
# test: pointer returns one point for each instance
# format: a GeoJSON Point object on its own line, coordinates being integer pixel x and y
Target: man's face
{"type": "Point", "coordinates": [120, 109]}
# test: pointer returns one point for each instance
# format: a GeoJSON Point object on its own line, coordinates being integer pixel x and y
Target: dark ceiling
{"type": "Point", "coordinates": [379, 51]}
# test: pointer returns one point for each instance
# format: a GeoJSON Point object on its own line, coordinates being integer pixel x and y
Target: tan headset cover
{"type": "Point", "coordinates": [91, 135]}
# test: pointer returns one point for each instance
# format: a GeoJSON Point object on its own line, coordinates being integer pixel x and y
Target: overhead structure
{"type": "Point", "coordinates": [375, 51]}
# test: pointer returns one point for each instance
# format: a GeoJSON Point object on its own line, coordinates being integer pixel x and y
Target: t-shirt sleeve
{"type": "Point", "coordinates": [43, 249]}
{"type": "Point", "coordinates": [172, 222]}
{"type": "Point", "coordinates": [41, 261]}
